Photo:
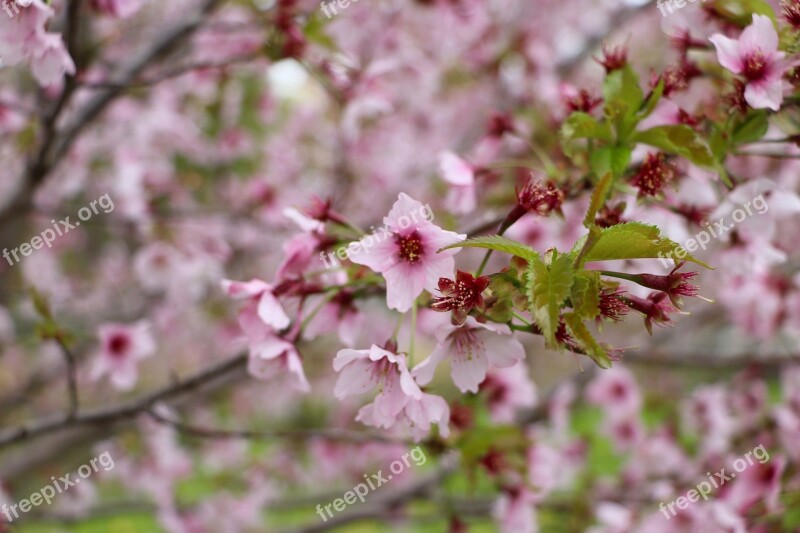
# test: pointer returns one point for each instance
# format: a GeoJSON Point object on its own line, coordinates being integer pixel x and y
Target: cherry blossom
{"type": "Point", "coordinates": [407, 256]}
{"type": "Point", "coordinates": [755, 57]}
{"type": "Point", "coordinates": [122, 347]}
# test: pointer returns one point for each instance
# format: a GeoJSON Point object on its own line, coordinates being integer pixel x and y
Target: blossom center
{"type": "Point", "coordinates": [754, 66]}
{"type": "Point", "coordinates": [409, 247]}
{"type": "Point", "coordinates": [118, 344]}
{"type": "Point", "coordinates": [466, 344]}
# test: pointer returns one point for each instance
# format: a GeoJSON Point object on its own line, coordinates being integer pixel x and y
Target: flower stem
{"type": "Point", "coordinates": [630, 277]}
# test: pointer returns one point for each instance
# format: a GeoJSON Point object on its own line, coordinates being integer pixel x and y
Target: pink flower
{"type": "Point", "coordinates": [472, 347]}
{"type": "Point", "coordinates": [298, 254]}
{"type": "Point", "coordinates": [757, 482]}
{"type": "Point", "coordinates": [405, 253]}
{"type": "Point", "coordinates": [616, 391]}
{"type": "Point", "coordinates": [508, 391]}
{"type": "Point", "coordinates": [514, 511]}
{"type": "Point", "coordinates": [755, 56]}
{"type": "Point", "coordinates": [121, 348]}
{"type": "Point", "coordinates": [460, 175]}
{"type": "Point", "coordinates": [21, 34]}
{"type": "Point", "coordinates": [419, 414]}
{"type": "Point", "coordinates": [261, 300]}
{"type": "Point", "coordinates": [340, 314]}
{"type": "Point", "coordinates": [270, 354]}
{"type": "Point", "coordinates": [361, 371]}
{"type": "Point", "coordinates": [50, 60]}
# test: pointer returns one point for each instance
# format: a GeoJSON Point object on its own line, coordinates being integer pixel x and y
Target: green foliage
{"type": "Point", "coordinates": [581, 333]}
{"type": "Point", "coordinates": [623, 99]}
{"type": "Point", "coordinates": [585, 294]}
{"type": "Point", "coordinates": [679, 139]}
{"type": "Point", "coordinates": [581, 125]}
{"type": "Point", "coordinates": [509, 290]}
{"type": "Point", "coordinates": [752, 128]}
{"type": "Point", "coordinates": [599, 197]}
{"type": "Point", "coordinates": [634, 240]}
{"type": "Point", "coordinates": [548, 287]}
{"type": "Point", "coordinates": [741, 11]}
{"type": "Point", "coordinates": [499, 244]}
{"type": "Point", "coordinates": [613, 159]}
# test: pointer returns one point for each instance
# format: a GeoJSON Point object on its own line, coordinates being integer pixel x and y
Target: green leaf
{"type": "Point", "coordinates": [718, 142]}
{"type": "Point", "coordinates": [610, 158]}
{"type": "Point", "coordinates": [679, 139]}
{"type": "Point", "coordinates": [752, 129]}
{"type": "Point", "coordinates": [623, 98]}
{"type": "Point", "coordinates": [585, 294]}
{"type": "Point", "coordinates": [635, 240]}
{"type": "Point", "coordinates": [581, 125]}
{"type": "Point", "coordinates": [509, 292]}
{"type": "Point", "coordinates": [652, 100]}
{"type": "Point", "coordinates": [548, 287]}
{"type": "Point", "coordinates": [599, 196]}
{"type": "Point", "coordinates": [582, 334]}
{"type": "Point", "coordinates": [499, 244]}
{"type": "Point", "coordinates": [621, 90]}
{"type": "Point", "coordinates": [742, 11]}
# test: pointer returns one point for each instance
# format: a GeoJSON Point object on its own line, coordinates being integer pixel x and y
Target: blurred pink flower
{"type": "Point", "coordinates": [460, 176]}
{"type": "Point", "coordinates": [121, 348]}
{"type": "Point", "coordinates": [508, 391]}
{"type": "Point", "coordinates": [261, 300]}
{"type": "Point", "coordinates": [616, 391]}
{"type": "Point", "coordinates": [271, 354]}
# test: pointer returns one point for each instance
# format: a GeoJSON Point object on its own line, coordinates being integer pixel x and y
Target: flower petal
{"type": "Point", "coordinates": [766, 93]}
{"type": "Point", "coordinates": [727, 52]}
{"type": "Point", "coordinates": [424, 371]}
{"type": "Point", "coordinates": [271, 311]}
{"type": "Point", "coordinates": [503, 350]}
{"type": "Point", "coordinates": [469, 372]}
{"type": "Point", "coordinates": [759, 36]}
{"type": "Point", "coordinates": [356, 378]}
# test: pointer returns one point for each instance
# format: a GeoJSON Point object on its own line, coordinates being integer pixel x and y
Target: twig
{"type": "Point", "coordinates": [72, 379]}
{"type": "Point", "coordinates": [326, 433]}
{"type": "Point", "coordinates": [178, 71]}
{"type": "Point", "coordinates": [128, 410]}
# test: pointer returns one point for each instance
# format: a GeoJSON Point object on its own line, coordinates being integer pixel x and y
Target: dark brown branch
{"type": "Point", "coordinates": [72, 380]}
{"type": "Point", "coordinates": [56, 143]}
{"type": "Point", "coordinates": [176, 72]}
{"type": "Point", "coordinates": [125, 411]}
{"type": "Point", "coordinates": [326, 433]}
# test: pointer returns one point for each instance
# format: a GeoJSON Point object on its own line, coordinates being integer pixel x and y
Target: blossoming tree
{"type": "Point", "coordinates": [541, 255]}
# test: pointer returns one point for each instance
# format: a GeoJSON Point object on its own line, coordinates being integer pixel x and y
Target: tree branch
{"type": "Point", "coordinates": [125, 411]}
